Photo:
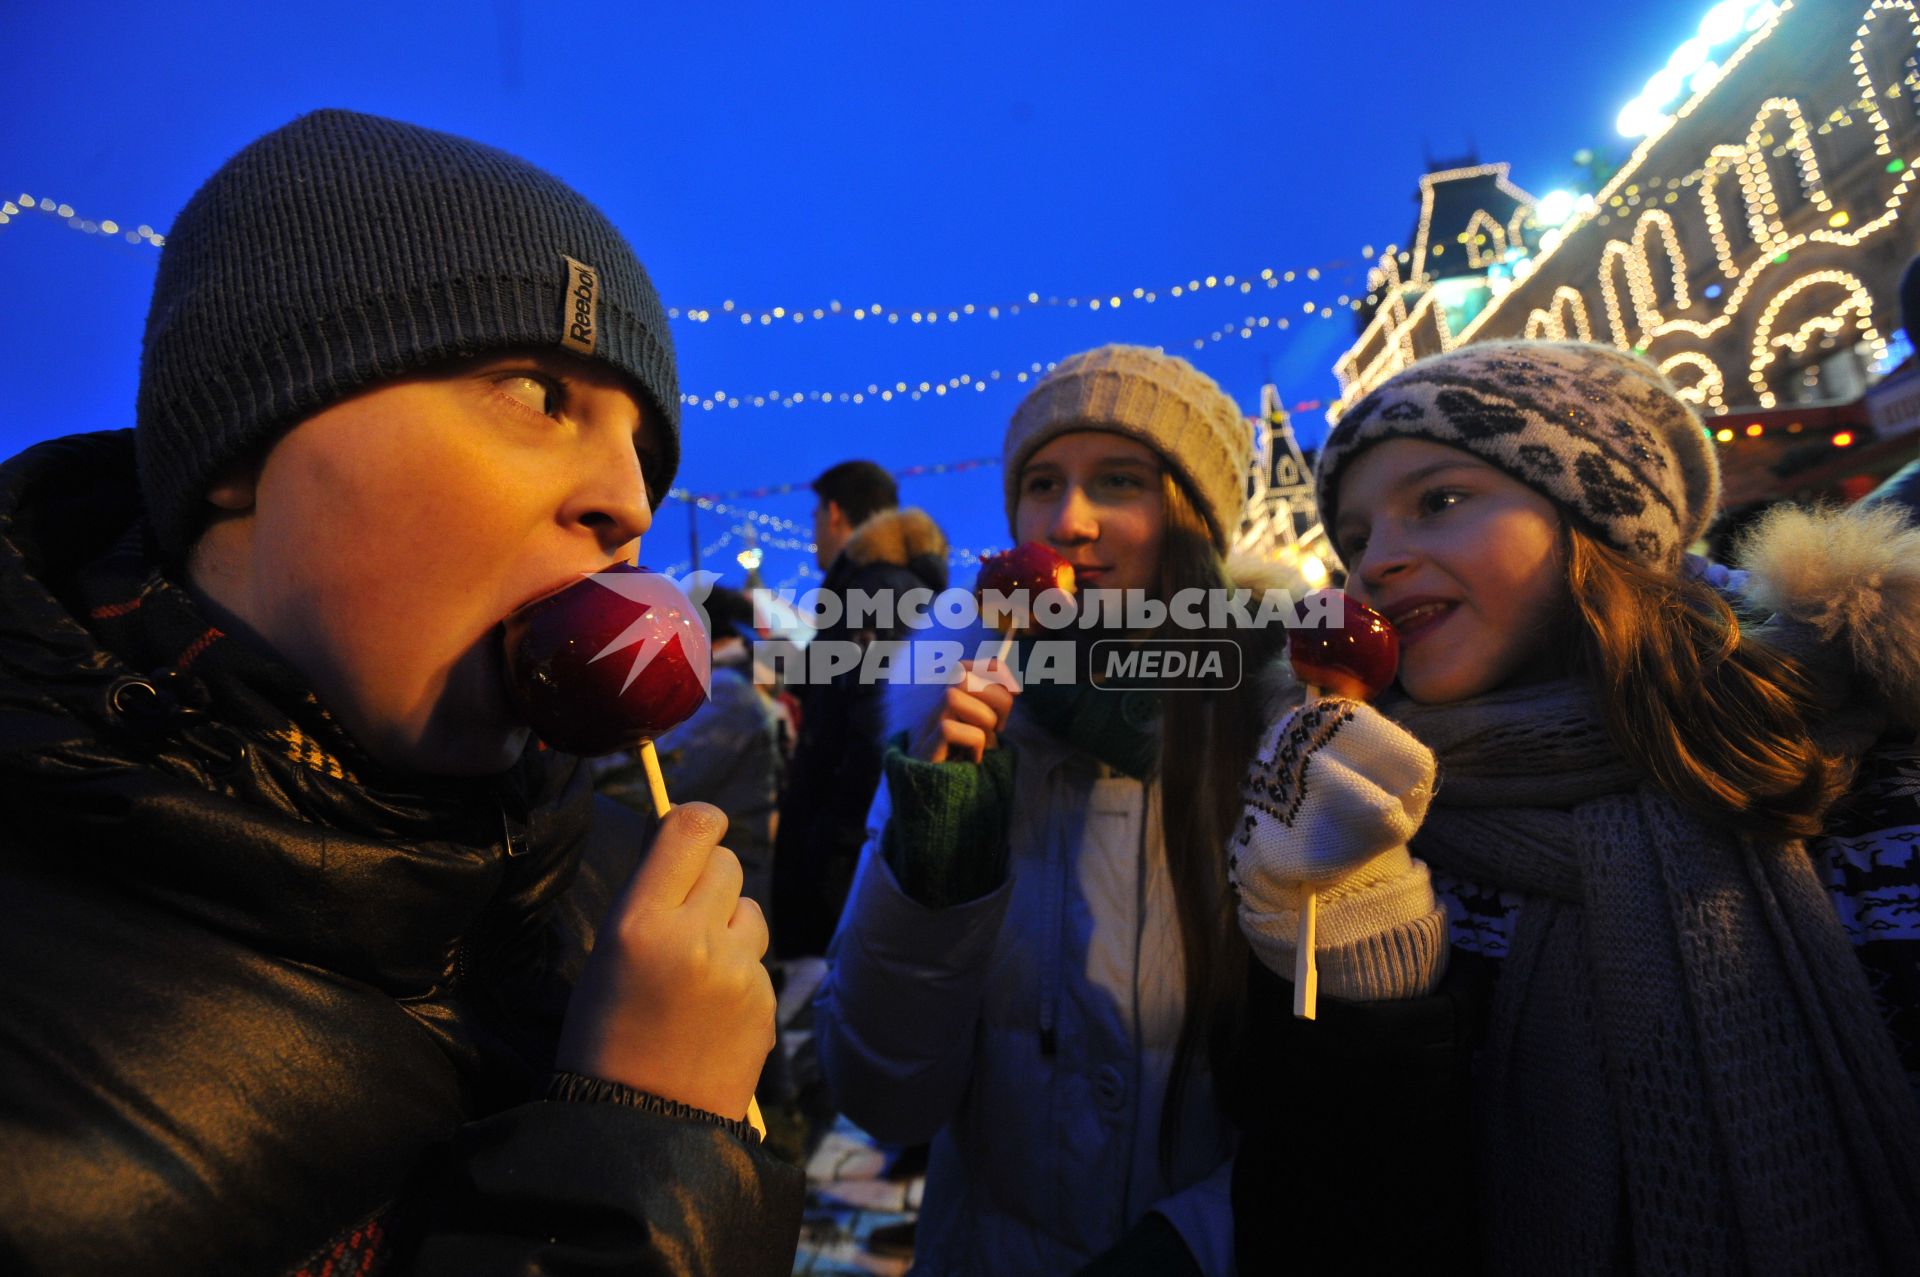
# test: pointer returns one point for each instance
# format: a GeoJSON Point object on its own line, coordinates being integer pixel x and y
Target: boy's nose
{"type": "Point", "coordinates": [611, 500]}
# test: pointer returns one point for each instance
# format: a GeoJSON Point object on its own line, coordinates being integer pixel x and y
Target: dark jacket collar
{"type": "Point", "coordinates": [203, 772]}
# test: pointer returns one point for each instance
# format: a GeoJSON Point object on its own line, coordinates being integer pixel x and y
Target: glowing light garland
{"type": "Point", "coordinates": [745, 316]}
{"type": "Point", "coordinates": [901, 390]}
{"type": "Point", "coordinates": [772, 521]}
{"type": "Point", "coordinates": [707, 551]}
{"type": "Point", "coordinates": [805, 571]}
{"type": "Point", "coordinates": [1882, 143]}
{"type": "Point", "coordinates": [1568, 302]}
{"type": "Point", "coordinates": [1709, 391]}
{"type": "Point", "coordinates": [1858, 306]}
{"type": "Point", "coordinates": [1385, 280]}
{"type": "Point", "coordinates": [1267, 278]}
{"type": "Point", "coordinates": [909, 472]}
{"type": "Point", "coordinates": [1481, 228]}
{"type": "Point", "coordinates": [1566, 315]}
{"type": "Point", "coordinates": [957, 556]}
{"type": "Point", "coordinates": [10, 209]}
{"type": "Point", "coordinates": [1636, 262]}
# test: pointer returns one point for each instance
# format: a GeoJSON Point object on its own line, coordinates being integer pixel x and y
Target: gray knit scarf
{"type": "Point", "coordinates": [1685, 1072]}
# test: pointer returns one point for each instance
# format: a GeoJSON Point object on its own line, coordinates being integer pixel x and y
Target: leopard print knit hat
{"type": "Point", "coordinates": [1596, 430]}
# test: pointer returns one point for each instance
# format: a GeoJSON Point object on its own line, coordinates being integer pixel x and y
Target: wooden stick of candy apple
{"type": "Point", "coordinates": [608, 663]}
{"type": "Point", "coordinates": [1025, 572]}
{"type": "Point", "coordinates": [1347, 649]}
{"type": "Point", "coordinates": [656, 783]}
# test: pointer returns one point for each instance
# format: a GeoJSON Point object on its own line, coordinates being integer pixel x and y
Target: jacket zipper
{"type": "Point", "coordinates": [463, 948]}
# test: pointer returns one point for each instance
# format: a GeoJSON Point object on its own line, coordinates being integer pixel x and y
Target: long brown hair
{"type": "Point", "coordinates": [1206, 742]}
{"type": "Point", "coordinates": [1720, 722]}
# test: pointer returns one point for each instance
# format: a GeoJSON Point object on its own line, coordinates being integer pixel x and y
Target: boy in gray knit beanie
{"type": "Point", "coordinates": [310, 923]}
{"type": "Point", "coordinates": [346, 249]}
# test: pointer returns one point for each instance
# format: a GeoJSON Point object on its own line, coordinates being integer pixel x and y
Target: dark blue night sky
{"type": "Point", "coordinates": [785, 155]}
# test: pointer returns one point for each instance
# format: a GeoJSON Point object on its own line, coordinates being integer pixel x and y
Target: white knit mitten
{"type": "Point", "coordinates": [1333, 795]}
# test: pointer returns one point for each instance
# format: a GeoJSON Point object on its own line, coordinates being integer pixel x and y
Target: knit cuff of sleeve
{"type": "Point", "coordinates": [1380, 934]}
{"type": "Point", "coordinates": [946, 840]}
{"type": "Point", "coordinates": [1402, 961]}
{"type": "Point", "coordinates": [578, 1088]}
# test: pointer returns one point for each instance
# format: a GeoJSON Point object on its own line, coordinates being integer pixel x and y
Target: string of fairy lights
{"type": "Point", "coordinates": [1033, 300]}
{"type": "Point", "coordinates": [907, 472]}
{"type": "Point", "coordinates": [895, 388]}
{"type": "Point", "coordinates": [914, 388]}
{"type": "Point", "coordinates": [1194, 285]}
{"type": "Point", "coordinates": [771, 522]}
{"type": "Point", "coordinates": [764, 530]}
{"type": "Point", "coordinates": [141, 234]}
{"type": "Point", "coordinates": [903, 391]}
{"type": "Point", "coordinates": [958, 556]}
{"type": "Point", "coordinates": [1265, 278]}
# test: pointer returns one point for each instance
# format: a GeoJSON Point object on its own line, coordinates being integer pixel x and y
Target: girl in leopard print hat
{"type": "Point", "coordinates": [1661, 1045]}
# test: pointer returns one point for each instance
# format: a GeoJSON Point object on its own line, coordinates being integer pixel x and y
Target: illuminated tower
{"type": "Point", "coordinates": [1282, 521]}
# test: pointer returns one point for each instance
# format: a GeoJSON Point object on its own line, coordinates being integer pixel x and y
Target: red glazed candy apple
{"type": "Point", "coordinates": [1357, 657]}
{"type": "Point", "coordinates": [1030, 566]}
{"type": "Point", "coordinates": [613, 659]}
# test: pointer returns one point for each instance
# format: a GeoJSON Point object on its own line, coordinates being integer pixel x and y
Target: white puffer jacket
{"type": "Point", "coordinates": [935, 1024]}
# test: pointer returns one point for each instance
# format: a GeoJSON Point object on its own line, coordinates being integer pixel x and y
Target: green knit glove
{"type": "Point", "coordinates": [946, 840]}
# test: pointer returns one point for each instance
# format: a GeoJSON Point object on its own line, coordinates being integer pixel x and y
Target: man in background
{"type": "Point", "coordinates": [863, 542]}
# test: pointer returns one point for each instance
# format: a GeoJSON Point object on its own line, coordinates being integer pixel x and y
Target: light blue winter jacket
{"type": "Point", "coordinates": [932, 1022]}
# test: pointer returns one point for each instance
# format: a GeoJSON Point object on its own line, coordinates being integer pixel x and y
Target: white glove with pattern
{"type": "Point", "coordinates": [1332, 797]}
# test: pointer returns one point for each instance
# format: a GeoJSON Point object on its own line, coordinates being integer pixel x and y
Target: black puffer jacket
{"type": "Point", "coordinates": [266, 1010]}
{"type": "Point", "coordinates": [836, 762]}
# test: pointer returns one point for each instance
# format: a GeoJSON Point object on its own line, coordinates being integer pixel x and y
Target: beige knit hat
{"type": "Point", "coordinates": [1159, 399]}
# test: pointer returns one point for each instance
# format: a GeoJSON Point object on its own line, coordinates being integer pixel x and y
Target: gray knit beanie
{"type": "Point", "coordinates": [1596, 430]}
{"type": "Point", "coordinates": [1159, 399]}
{"type": "Point", "coordinates": [345, 249]}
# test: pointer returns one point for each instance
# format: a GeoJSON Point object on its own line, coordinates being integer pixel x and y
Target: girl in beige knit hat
{"type": "Point", "coordinates": [1038, 959]}
{"type": "Point", "coordinates": [1680, 1014]}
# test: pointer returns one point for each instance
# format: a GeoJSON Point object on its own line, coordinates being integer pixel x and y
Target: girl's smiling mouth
{"type": "Point", "coordinates": [1414, 618]}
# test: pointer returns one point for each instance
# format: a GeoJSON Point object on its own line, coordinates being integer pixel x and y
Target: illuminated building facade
{"type": "Point", "coordinates": [1751, 246]}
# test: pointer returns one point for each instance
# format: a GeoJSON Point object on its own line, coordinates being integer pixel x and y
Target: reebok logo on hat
{"type": "Point", "coordinates": [577, 316]}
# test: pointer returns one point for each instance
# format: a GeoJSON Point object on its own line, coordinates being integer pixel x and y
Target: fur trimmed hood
{"type": "Point", "coordinates": [1851, 577]}
{"type": "Point", "coordinates": [897, 537]}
